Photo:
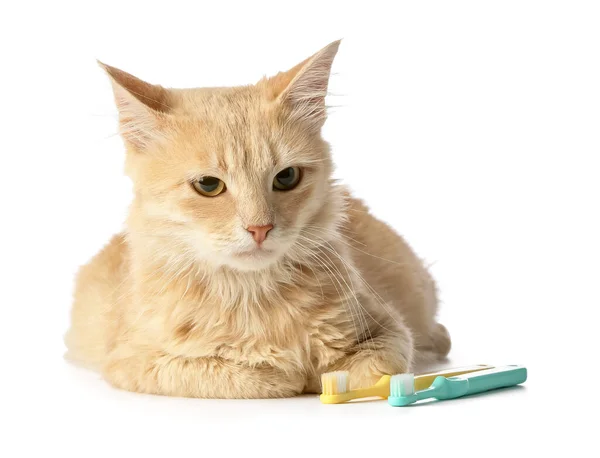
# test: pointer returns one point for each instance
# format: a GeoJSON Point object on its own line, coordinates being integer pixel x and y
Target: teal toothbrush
{"type": "Point", "coordinates": [402, 391]}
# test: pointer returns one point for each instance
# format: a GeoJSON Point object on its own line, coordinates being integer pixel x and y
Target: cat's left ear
{"type": "Point", "coordinates": [303, 88]}
{"type": "Point", "coordinates": [142, 107]}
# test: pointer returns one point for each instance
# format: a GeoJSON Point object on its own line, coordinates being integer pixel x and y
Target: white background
{"type": "Point", "coordinates": [471, 127]}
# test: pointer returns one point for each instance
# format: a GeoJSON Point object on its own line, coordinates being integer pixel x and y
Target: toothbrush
{"type": "Point", "coordinates": [336, 384]}
{"type": "Point", "coordinates": [404, 390]}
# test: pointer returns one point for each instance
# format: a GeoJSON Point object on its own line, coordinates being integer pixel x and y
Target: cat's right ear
{"type": "Point", "coordinates": [303, 88]}
{"type": "Point", "coordinates": [142, 107]}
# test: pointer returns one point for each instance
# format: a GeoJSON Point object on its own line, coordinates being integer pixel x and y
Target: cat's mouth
{"type": "Point", "coordinates": [254, 253]}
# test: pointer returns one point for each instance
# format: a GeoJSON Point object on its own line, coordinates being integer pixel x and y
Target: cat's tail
{"type": "Point", "coordinates": [440, 338]}
{"type": "Point", "coordinates": [437, 347]}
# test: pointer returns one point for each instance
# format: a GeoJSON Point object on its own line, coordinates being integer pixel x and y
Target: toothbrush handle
{"type": "Point", "coordinates": [380, 389]}
{"type": "Point", "coordinates": [490, 380]}
{"type": "Point", "coordinates": [372, 391]}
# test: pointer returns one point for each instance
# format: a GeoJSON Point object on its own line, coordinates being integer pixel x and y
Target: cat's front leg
{"type": "Point", "coordinates": [387, 353]}
{"type": "Point", "coordinates": [157, 372]}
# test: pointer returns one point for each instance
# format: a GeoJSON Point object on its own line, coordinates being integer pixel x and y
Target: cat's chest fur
{"type": "Point", "coordinates": [294, 323]}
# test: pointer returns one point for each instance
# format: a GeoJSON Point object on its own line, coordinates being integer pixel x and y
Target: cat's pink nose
{"type": "Point", "coordinates": [259, 233]}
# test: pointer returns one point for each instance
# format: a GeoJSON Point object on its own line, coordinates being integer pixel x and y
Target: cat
{"type": "Point", "coordinates": [245, 270]}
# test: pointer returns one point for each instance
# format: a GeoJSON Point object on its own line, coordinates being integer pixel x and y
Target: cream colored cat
{"type": "Point", "coordinates": [245, 271]}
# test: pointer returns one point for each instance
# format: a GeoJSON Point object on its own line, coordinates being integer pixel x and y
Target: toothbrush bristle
{"type": "Point", "coordinates": [335, 382]}
{"type": "Point", "coordinates": [402, 385]}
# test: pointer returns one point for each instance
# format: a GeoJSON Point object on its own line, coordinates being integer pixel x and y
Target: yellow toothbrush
{"type": "Point", "coordinates": [335, 384]}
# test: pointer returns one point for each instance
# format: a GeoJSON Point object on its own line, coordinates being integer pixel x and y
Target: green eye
{"type": "Point", "coordinates": [209, 186]}
{"type": "Point", "coordinates": [287, 179]}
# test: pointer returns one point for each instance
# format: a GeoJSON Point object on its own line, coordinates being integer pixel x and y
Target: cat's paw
{"type": "Point", "coordinates": [367, 367]}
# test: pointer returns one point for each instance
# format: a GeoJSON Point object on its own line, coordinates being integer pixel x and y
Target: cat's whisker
{"type": "Point", "coordinates": [334, 233]}
{"type": "Point", "coordinates": [360, 315]}
{"type": "Point", "coordinates": [347, 291]}
{"type": "Point", "coordinates": [347, 303]}
{"type": "Point", "coordinates": [307, 252]}
{"type": "Point", "coordinates": [351, 289]}
{"type": "Point", "coordinates": [332, 277]}
{"type": "Point", "coordinates": [376, 295]}
{"type": "Point", "coordinates": [378, 298]}
{"type": "Point", "coordinates": [372, 255]}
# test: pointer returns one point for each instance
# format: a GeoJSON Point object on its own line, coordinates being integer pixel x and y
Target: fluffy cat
{"type": "Point", "coordinates": [245, 271]}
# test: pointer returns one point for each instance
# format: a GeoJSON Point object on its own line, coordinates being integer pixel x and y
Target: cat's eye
{"type": "Point", "coordinates": [287, 179]}
{"type": "Point", "coordinates": [209, 186]}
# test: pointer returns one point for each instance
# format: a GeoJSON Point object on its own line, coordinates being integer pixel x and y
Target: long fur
{"type": "Point", "coordinates": [170, 306]}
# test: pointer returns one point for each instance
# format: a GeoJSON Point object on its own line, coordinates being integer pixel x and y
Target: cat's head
{"type": "Point", "coordinates": [235, 176]}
